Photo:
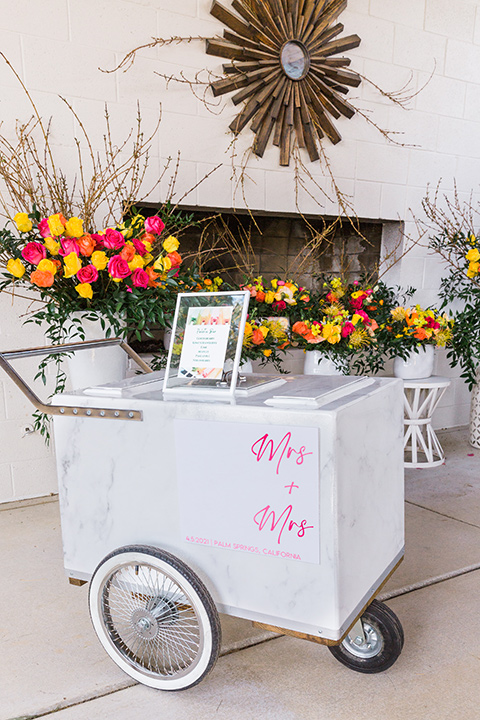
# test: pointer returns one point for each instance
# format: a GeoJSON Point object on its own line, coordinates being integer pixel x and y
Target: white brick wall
{"type": "Point", "coordinates": [57, 47]}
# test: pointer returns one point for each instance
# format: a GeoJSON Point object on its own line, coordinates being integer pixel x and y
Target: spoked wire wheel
{"type": "Point", "coordinates": [154, 617]}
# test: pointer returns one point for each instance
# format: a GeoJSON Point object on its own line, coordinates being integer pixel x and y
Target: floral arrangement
{"type": "Point", "coordinates": [123, 276]}
{"type": "Point", "coordinates": [460, 289]}
{"type": "Point", "coordinates": [411, 328]}
{"type": "Point", "coordinates": [119, 273]}
{"type": "Point", "coordinates": [277, 298]}
{"type": "Point", "coordinates": [264, 340]}
{"type": "Point", "coordinates": [342, 326]}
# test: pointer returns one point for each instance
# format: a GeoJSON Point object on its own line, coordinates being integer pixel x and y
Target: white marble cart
{"type": "Point", "coordinates": [167, 505]}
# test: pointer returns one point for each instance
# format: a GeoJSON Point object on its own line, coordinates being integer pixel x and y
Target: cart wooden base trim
{"type": "Point", "coordinates": [328, 641]}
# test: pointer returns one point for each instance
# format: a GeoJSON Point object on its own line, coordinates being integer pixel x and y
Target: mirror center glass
{"type": "Point", "coordinates": [294, 60]}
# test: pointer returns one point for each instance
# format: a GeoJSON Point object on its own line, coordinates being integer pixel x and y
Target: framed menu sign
{"type": "Point", "coordinates": [206, 344]}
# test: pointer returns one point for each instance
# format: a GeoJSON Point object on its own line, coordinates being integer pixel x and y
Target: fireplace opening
{"type": "Point", "coordinates": [240, 246]}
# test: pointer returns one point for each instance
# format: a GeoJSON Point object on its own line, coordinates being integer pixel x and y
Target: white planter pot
{"type": "Point", "coordinates": [87, 368]}
{"type": "Point", "coordinates": [167, 339]}
{"type": "Point", "coordinates": [317, 364]}
{"type": "Point", "coordinates": [246, 366]}
{"type": "Point", "coordinates": [417, 365]}
{"type": "Point", "coordinates": [475, 414]}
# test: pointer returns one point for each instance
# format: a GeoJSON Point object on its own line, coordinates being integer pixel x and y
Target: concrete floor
{"type": "Point", "coordinates": [52, 665]}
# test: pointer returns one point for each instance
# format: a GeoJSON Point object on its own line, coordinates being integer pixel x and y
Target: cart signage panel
{"type": "Point", "coordinates": [249, 487]}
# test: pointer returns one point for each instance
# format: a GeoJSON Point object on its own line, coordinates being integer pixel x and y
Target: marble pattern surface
{"type": "Point", "coordinates": [118, 487]}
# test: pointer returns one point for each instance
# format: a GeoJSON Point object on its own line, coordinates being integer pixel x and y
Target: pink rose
{"type": "Point", "coordinates": [347, 329]}
{"type": "Point", "coordinates": [363, 315]}
{"type": "Point", "coordinates": [113, 240]}
{"type": "Point", "coordinates": [87, 274]}
{"type": "Point", "coordinates": [356, 303]}
{"type": "Point", "coordinates": [43, 228]}
{"type": "Point", "coordinates": [118, 268]}
{"type": "Point", "coordinates": [154, 225]}
{"type": "Point", "coordinates": [34, 252]}
{"type": "Point", "coordinates": [139, 246]}
{"type": "Point", "coordinates": [140, 278]}
{"type": "Point", "coordinates": [68, 245]}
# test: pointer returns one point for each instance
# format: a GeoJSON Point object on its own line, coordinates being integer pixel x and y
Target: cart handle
{"type": "Point", "coordinates": [106, 413]}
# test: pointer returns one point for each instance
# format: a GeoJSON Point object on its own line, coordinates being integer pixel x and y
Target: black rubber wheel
{"type": "Point", "coordinates": [382, 645]}
{"type": "Point", "coordinates": [154, 617]}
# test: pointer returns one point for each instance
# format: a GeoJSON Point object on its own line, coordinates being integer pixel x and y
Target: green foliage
{"type": "Point", "coordinates": [461, 289]}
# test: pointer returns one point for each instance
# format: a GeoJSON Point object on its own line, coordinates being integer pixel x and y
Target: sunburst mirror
{"type": "Point", "coordinates": [284, 69]}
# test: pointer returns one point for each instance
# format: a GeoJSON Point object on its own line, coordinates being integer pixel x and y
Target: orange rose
{"type": "Point", "coordinates": [420, 334]}
{"type": "Point", "coordinates": [175, 258]}
{"type": "Point", "coordinates": [153, 276]}
{"type": "Point", "coordinates": [260, 296]}
{"type": "Point", "coordinates": [257, 337]}
{"type": "Point", "coordinates": [147, 237]}
{"type": "Point", "coordinates": [86, 245]}
{"type": "Point", "coordinates": [300, 328]}
{"type": "Point", "coordinates": [127, 253]}
{"type": "Point", "coordinates": [42, 278]}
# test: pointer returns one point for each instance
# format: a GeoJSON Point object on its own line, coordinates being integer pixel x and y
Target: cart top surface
{"type": "Point", "coordinates": [302, 392]}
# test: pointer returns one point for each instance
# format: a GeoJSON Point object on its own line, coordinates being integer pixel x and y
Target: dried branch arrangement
{"type": "Point", "coordinates": [110, 181]}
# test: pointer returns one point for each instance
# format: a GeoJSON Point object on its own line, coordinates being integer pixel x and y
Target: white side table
{"type": "Point", "coordinates": [420, 443]}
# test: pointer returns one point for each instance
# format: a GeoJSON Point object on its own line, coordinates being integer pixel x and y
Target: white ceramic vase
{"type": "Point", "coordinates": [475, 414]}
{"type": "Point", "coordinates": [87, 368]}
{"type": "Point", "coordinates": [317, 364]}
{"type": "Point", "coordinates": [417, 365]}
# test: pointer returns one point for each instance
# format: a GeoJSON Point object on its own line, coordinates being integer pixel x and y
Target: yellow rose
{"type": "Point", "coordinates": [473, 269]}
{"type": "Point", "coordinates": [269, 297]}
{"type": "Point", "coordinates": [23, 222]}
{"type": "Point", "coordinates": [162, 263]}
{"type": "Point", "coordinates": [274, 283]}
{"type": "Point", "coordinates": [126, 232]}
{"type": "Point", "coordinates": [473, 255]}
{"type": "Point", "coordinates": [137, 262]}
{"type": "Point", "coordinates": [264, 330]}
{"type": "Point", "coordinates": [84, 290]}
{"type": "Point", "coordinates": [170, 244]}
{"type": "Point", "coordinates": [74, 227]}
{"type": "Point", "coordinates": [55, 224]}
{"type": "Point", "coordinates": [267, 353]}
{"type": "Point", "coordinates": [52, 245]}
{"type": "Point", "coordinates": [356, 318]}
{"type": "Point", "coordinates": [147, 258]}
{"type": "Point", "coordinates": [331, 333]}
{"type": "Point", "coordinates": [47, 266]}
{"type": "Point", "coordinates": [99, 259]}
{"type": "Point", "coordinates": [72, 265]}
{"type": "Point", "coordinates": [16, 268]}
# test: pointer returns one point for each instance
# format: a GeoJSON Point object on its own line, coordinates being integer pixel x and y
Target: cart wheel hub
{"type": "Point", "coordinates": [144, 624]}
{"type": "Point", "coordinates": [366, 648]}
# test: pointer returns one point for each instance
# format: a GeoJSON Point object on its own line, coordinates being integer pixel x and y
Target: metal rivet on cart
{"type": "Point", "coordinates": [102, 413]}
{"type": "Point", "coordinates": [130, 414]}
{"type": "Point", "coordinates": [116, 413]}
{"type": "Point", "coordinates": [89, 412]}
{"type": "Point", "coordinates": [62, 410]}
{"type": "Point", "coordinates": [75, 411]}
